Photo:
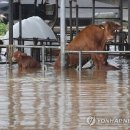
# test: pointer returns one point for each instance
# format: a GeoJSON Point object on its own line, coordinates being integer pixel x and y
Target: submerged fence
{"type": "Point", "coordinates": [58, 47]}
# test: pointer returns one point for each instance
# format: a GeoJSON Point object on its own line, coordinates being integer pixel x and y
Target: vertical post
{"type": "Point", "coordinates": [20, 23]}
{"type": "Point", "coordinates": [62, 42]}
{"type": "Point", "coordinates": [80, 61]}
{"type": "Point", "coordinates": [128, 24]}
{"type": "Point", "coordinates": [121, 18]}
{"type": "Point", "coordinates": [43, 57]}
{"type": "Point", "coordinates": [121, 12]}
{"type": "Point", "coordinates": [93, 11]}
{"type": "Point", "coordinates": [35, 7]}
{"type": "Point", "coordinates": [70, 1]}
{"type": "Point", "coordinates": [56, 15]}
{"type": "Point", "coordinates": [10, 22]}
{"type": "Point", "coordinates": [10, 47]}
{"type": "Point", "coordinates": [62, 32]}
{"type": "Point", "coordinates": [77, 15]}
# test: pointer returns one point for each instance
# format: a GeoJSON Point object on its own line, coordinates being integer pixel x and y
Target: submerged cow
{"type": "Point", "coordinates": [24, 61]}
{"type": "Point", "coordinates": [91, 38]}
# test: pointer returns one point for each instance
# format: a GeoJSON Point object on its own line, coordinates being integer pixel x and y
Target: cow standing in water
{"type": "Point", "coordinates": [91, 38]}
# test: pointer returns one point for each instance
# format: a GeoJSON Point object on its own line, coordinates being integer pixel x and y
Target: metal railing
{"type": "Point", "coordinates": [58, 47]}
{"type": "Point", "coordinates": [97, 52]}
{"type": "Point", "coordinates": [23, 46]}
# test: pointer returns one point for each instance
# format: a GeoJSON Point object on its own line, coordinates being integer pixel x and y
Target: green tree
{"type": "Point", "coordinates": [3, 29]}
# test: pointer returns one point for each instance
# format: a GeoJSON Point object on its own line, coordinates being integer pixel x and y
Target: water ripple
{"type": "Point", "coordinates": [63, 100]}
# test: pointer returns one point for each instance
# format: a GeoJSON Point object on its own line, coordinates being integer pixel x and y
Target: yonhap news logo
{"type": "Point", "coordinates": [93, 120]}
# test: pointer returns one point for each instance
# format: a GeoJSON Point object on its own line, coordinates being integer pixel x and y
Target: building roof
{"type": "Point", "coordinates": [86, 3]}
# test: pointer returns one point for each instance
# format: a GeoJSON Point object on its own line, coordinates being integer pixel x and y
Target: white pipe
{"type": "Point", "coordinates": [62, 32]}
{"type": "Point", "coordinates": [85, 52]}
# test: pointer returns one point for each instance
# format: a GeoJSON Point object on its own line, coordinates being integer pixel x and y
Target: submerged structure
{"type": "Point", "coordinates": [78, 13]}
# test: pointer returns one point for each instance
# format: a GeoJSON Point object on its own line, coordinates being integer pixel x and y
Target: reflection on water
{"type": "Point", "coordinates": [65, 100]}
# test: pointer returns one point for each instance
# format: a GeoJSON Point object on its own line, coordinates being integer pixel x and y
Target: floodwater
{"type": "Point", "coordinates": [65, 100]}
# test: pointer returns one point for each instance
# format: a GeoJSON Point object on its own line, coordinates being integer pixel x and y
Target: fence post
{"type": "Point", "coordinates": [62, 31]}
{"type": "Point", "coordinates": [43, 56]}
{"type": "Point", "coordinates": [80, 61]}
{"type": "Point", "coordinates": [10, 53]}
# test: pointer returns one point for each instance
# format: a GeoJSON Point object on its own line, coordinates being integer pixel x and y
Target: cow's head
{"type": "Point", "coordinates": [110, 29]}
{"type": "Point", "coordinates": [17, 55]}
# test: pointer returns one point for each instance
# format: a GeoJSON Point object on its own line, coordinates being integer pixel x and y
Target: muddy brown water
{"type": "Point", "coordinates": [65, 100]}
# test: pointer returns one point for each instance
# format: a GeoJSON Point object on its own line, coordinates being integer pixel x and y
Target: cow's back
{"type": "Point", "coordinates": [87, 39]}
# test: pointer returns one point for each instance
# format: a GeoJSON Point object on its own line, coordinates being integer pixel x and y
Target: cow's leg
{"type": "Point", "coordinates": [99, 60]}
{"type": "Point", "coordinates": [73, 60]}
{"type": "Point", "coordinates": [95, 60]}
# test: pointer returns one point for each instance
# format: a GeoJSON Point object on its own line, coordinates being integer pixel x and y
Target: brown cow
{"type": "Point", "coordinates": [91, 38]}
{"type": "Point", "coordinates": [24, 61]}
